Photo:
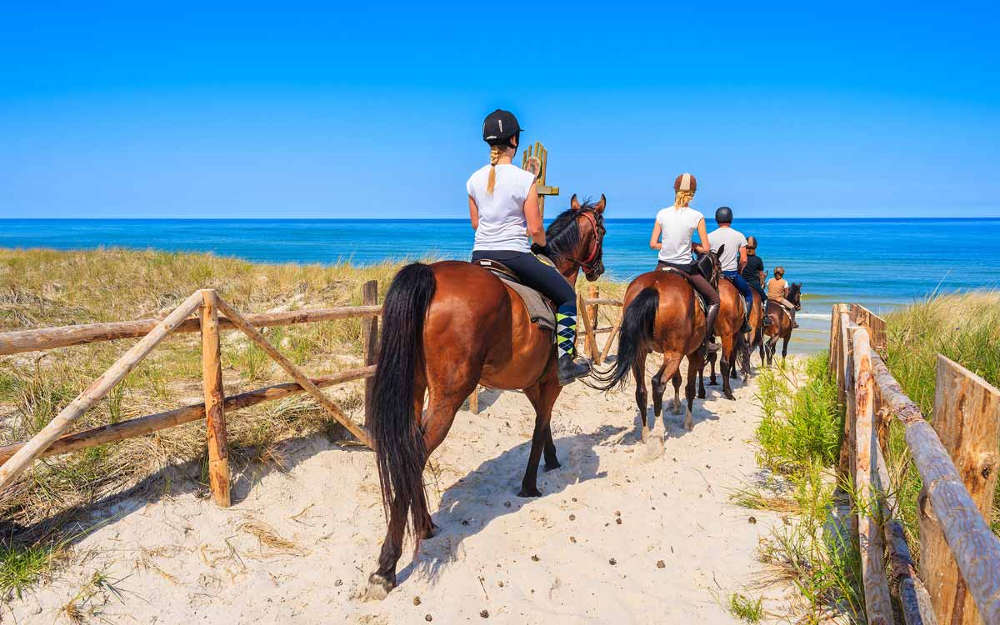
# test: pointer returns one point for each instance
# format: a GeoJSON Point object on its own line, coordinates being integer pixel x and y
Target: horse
{"type": "Point", "coordinates": [447, 327]}
{"type": "Point", "coordinates": [660, 315]}
{"type": "Point", "coordinates": [781, 322]}
{"type": "Point", "coordinates": [745, 346]}
{"type": "Point", "coordinates": [727, 327]}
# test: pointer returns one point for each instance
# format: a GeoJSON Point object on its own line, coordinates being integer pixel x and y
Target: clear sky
{"type": "Point", "coordinates": [164, 110]}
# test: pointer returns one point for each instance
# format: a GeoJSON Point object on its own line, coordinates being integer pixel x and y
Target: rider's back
{"type": "Point", "coordinates": [502, 225]}
{"type": "Point", "coordinates": [677, 224]}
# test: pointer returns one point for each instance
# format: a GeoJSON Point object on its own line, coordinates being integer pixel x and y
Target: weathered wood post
{"type": "Point", "coordinates": [593, 292]}
{"type": "Point", "coordinates": [878, 605]}
{"type": "Point", "coordinates": [967, 420]}
{"type": "Point", "coordinates": [369, 342]}
{"type": "Point", "coordinates": [215, 420]}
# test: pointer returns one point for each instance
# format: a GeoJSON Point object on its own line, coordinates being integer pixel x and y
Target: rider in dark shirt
{"type": "Point", "coordinates": [753, 271]}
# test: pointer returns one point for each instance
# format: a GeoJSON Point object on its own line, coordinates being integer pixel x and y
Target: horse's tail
{"type": "Point", "coordinates": [399, 445]}
{"type": "Point", "coordinates": [633, 340]}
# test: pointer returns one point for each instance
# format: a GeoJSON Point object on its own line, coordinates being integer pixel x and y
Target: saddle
{"type": "Point", "coordinates": [697, 295]}
{"type": "Point", "coordinates": [541, 311]}
{"type": "Point", "coordinates": [781, 307]}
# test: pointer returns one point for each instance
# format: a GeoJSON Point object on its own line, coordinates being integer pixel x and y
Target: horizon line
{"type": "Point", "coordinates": [463, 219]}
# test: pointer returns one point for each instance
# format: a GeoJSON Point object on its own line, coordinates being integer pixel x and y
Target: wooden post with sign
{"type": "Point", "coordinates": [535, 159]}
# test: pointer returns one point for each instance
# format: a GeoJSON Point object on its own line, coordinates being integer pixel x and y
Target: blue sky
{"type": "Point", "coordinates": [121, 110]}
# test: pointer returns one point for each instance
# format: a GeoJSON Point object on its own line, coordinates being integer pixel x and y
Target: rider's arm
{"type": "Point", "coordinates": [473, 213]}
{"type": "Point", "coordinates": [654, 239]}
{"type": "Point", "coordinates": [743, 258]}
{"type": "Point", "coordinates": [704, 247]}
{"type": "Point", "coordinates": [536, 229]}
{"type": "Point", "coordinates": [763, 277]}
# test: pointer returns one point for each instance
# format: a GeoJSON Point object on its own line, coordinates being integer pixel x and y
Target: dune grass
{"type": "Point", "coordinates": [966, 329]}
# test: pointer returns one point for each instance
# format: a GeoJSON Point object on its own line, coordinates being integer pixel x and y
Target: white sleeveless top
{"type": "Point", "coordinates": [502, 225]}
{"type": "Point", "coordinates": [677, 226]}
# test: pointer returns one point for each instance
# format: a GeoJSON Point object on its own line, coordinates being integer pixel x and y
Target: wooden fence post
{"type": "Point", "coordinates": [215, 420]}
{"type": "Point", "coordinates": [369, 342]}
{"type": "Point", "coordinates": [594, 292]}
{"type": "Point", "coordinates": [967, 420]}
{"type": "Point", "coordinates": [878, 605]}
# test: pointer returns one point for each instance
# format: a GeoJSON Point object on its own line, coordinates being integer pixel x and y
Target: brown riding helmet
{"type": "Point", "coordinates": [686, 182]}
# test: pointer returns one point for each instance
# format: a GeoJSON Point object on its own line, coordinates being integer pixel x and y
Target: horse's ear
{"type": "Point", "coordinates": [721, 248]}
{"type": "Point", "coordinates": [599, 207]}
{"type": "Point", "coordinates": [574, 203]}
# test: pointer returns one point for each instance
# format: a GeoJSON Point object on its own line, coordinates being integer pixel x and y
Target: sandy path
{"type": "Point", "coordinates": [585, 552]}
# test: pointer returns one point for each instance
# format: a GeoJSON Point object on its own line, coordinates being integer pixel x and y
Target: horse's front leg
{"type": "Point", "coordinates": [695, 362]}
{"type": "Point", "coordinates": [551, 462]}
{"type": "Point", "coordinates": [725, 367]}
{"type": "Point", "coordinates": [784, 346]}
{"type": "Point", "coordinates": [542, 397]}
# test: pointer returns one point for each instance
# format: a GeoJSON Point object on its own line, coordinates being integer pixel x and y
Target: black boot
{"type": "Point", "coordinates": [795, 323]}
{"type": "Point", "coordinates": [570, 369]}
{"type": "Point", "coordinates": [710, 316]}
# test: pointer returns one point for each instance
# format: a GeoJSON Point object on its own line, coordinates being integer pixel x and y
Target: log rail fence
{"type": "Point", "coordinates": [956, 455]}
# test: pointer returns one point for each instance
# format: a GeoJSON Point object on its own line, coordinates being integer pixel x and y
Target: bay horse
{"type": "Point", "coordinates": [781, 322]}
{"type": "Point", "coordinates": [743, 346]}
{"type": "Point", "coordinates": [660, 315]}
{"type": "Point", "coordinates": [447, 327]}
{"type": "Point", "coordinates": [727, 328]}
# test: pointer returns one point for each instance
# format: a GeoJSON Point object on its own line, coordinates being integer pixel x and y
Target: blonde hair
{"type": "Point", "coordinates": [779, 272]}
{"type": "Point", "coordinates": [683, 198]}
{"type": "Point", "coordinates": [495, 152]}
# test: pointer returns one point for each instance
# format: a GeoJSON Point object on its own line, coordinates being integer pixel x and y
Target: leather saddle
{"type": "Point", "coordinates": [697, 294]}
{"type": "Point", "coordinates": [540, 308]}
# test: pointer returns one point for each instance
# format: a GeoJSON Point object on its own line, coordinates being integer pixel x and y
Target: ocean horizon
{"type": "Point", "coordinates": [881, 263]}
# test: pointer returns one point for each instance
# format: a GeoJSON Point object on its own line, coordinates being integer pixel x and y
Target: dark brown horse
{"type": "Point", "coordinates": [447, 327]}
{"type": "Point", "coordinates": [781, 322]}
{"type": "Point", "coordinates": [661, 315]}
{"type": "Point", "coordinates": [743, 343]}
{"type": "Point", "coordinates": [727, 328]}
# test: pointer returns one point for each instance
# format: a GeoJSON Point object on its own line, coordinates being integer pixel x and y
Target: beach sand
{"type": "Point", "coordinates": [621, 534]}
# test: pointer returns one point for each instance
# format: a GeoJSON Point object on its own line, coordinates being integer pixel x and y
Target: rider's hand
{"type": "Point", "coordinates": [537, 249]}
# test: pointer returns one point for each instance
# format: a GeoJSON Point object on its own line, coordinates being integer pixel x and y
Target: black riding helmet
{"type": "Point", "coordinates": [500, 127]}
{"type": "Point", "coordinates": [724, 215]}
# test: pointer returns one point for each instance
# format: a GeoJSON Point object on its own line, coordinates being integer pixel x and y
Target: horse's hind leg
{"type": "Point", "coordinates": [639, 373]}
{"type": "Point", "coordinates": [725, 366]}
{"type": "Point", "coordinates": [695, 362]}
{"type": "Point", "coordinates": [711, 363]}
{"type": "Point", "coordinates": [551, 462]}
{"type": "Point", "coordinates": [676, 380]}
{"type": "Point", "coordinates": [667, 372]}
{"type": "Point", "coordinates": [542, 396]}
{"type": "Point", "coordinates": [701, 381]}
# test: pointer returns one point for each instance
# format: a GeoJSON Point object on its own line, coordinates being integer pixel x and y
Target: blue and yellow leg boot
{"type": "Point", "coordinates": [570, 368]}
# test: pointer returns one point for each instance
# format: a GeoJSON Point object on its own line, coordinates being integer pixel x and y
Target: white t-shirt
{"type": "Point", "coordinates": [733, 240]}
{"type": "Point", "coordinates": [677, 225]}
{"type": "Point", "coordinates": [502, 225]}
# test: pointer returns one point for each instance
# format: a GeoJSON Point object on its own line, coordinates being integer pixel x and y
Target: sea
{"type": "Point", "coordinates": [880, 263]}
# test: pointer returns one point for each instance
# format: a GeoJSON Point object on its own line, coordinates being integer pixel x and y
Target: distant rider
{"type": "Point", "coordinates": [503, 208]}
{"type": "Point", "coordinates": [753, 272]}
{"type": "Point", "coordinates": [734, 256]}
{"type": "Point", "coordinates": [777, 291]}
{"type": "Point", "coordinates": [672, 236]}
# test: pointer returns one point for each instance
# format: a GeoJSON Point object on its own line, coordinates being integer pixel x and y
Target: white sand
{"type": "Point", "coordinates": [176, 558]}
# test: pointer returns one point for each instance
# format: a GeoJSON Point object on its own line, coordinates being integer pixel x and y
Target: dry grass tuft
{"type": "Point", "coordinates": [267, 537]}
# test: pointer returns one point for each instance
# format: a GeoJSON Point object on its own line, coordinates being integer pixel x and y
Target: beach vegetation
{"type": "Point", "coordinates": [745, 608]}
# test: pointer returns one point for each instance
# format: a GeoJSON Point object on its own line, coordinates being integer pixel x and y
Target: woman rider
{"type": "Point", "coordinates": [503, 207]}
{"type": "Point", "coordinates": [777, 291]}
{"type": "Point", "coordinates": [672, 234]}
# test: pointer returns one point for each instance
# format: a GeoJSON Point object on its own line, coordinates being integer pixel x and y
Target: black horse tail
{"type": "Point", "coordinates": [399, 444]}
{"type": "Point", "coordinates": [634, 339]}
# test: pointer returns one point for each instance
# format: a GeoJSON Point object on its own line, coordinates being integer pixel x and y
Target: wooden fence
{"type": "Point", "coordinates": [208, 313]}
{"type": "Point", "coordinates": [956, 455]}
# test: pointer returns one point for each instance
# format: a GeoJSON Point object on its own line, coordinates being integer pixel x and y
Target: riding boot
{"type": "Point", "coordinates": [570, 368]}
{"type": "Point", "coordinates": [710, 316]}
{"type": "Point", "coordinates": [746, 319]}
{"type": "Point", "coordinates": [795, 323]}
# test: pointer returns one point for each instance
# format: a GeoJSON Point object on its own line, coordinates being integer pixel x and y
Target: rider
{"type": "Point", "coordinates": [672, 236]}
{"type": "Point", "coordinates": [503, 207]}
{"type": "Point", "coordinates": [753, 272]}
{"type": "Point", "coordinates": [777, 291]}
{"type": "Point", "coordinates": [734, 256]}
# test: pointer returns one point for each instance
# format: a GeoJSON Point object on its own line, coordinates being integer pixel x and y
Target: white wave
{"type": "Point", "coordinates": [803, 315]}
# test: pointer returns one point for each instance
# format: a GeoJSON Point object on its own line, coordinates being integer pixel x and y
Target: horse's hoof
{"type": "Point", "coordinates": [552, 466]}
{"type": "Point", "coordinates": [431, 531]}
{"type": "Point", "coordinates": [529, 492]}
{"type": "Point", "coordinates": [379, 587]}
{"type": "Point", "coordinates": [701, 394]}
{"type": "Point", "coordinates": [713, 383]}
{"type": "Point", "coordinates": [729, 396]}
{"type": "Point", "coordinates": [688, 422]}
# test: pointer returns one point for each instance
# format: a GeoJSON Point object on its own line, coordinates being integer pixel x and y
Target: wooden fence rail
{"type": "Point", "coordinates": [959, 573]}
{"type": "Point", "coordinates": [207, 306]}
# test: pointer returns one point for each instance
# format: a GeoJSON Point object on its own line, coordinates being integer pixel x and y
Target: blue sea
{"type": "Point", "coordinates": [881, 263]}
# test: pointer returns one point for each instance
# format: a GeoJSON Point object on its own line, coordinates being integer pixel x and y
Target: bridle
{"type": "Point", "coordinates": [589, 264]}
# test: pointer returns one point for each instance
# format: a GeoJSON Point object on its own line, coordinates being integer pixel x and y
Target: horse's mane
{"type": "Point", "coordinates": [563, 234]}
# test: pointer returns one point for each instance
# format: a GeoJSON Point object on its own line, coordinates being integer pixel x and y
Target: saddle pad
{"type": "Point", "coordinates": [539, 308]}
{"type": "Point", "coordinates": [697, 295]}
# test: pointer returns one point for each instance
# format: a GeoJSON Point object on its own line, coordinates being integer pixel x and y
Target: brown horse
{"type": "Point", "coordinates": [744, 344]}
{"type": "Point", "coordinates": [727, 328]}
{"type": "Point", "coordinates": [781, 322]}
{"type": "Point", "coordinates": [447, 327]}
{"type": "Point", "coordinates": [660, 315]}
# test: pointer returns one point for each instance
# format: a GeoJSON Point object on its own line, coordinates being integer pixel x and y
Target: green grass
{"type": "Point", "coordinates": [746, 609]}
{"type": "Point", "coordinates": [22, 566]}
{"type": "Point", "coordinates": [798, 441]}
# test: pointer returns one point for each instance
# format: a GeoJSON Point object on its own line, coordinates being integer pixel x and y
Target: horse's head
{"type": "Point", "coordinates": [795, 295]}
{"type": "Point", "coordinates": [575, 240]}
{"type": "Point", "coordinates": [710, 266]}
